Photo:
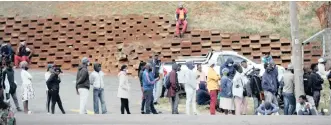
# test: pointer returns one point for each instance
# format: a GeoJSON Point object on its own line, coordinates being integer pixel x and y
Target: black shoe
{"type": "Point", "coordinates": [181, 35]}
{"type": "Point", "coordinates": [155, 103]}
{"type": "Point", "coordinates": [142, 112]}
{"type": "Point", "coordinates": [18, 109]}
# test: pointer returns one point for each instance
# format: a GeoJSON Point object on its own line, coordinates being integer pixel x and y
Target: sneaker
{"type": "Point", "coordinates": [29, 112]}
{"type": "Point", "coordinates": [19, 109]}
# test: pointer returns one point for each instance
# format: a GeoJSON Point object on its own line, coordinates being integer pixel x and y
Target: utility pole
{"type": "Point", "coordinates": [296, 59]}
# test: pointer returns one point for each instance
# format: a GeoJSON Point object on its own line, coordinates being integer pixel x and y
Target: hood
{"type": "Point", "coordinates": [229, 60]}
{"type": "Point", "coordinates": [202, 86]}
{"type": "Point", "coordinates": [82, 66]}
{"type": "Point", "coordinates": [174, 67]}
{"type": "Point", "coordinates": [190, 65]}
{"type": "Point", "coordinates": [96, 67]}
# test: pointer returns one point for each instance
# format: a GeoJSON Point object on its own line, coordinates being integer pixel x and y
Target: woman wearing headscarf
{"type": "Point", "coordinates": [27, 89]}
{"type": "Point", "coordinates": [124, 89]}
{"type": "Point", "coordinates": [190, 88]}
{"type": "Point", "coordinates": [212, 85]}
{"type": "Point", "coordinates": [226, 101]}
{"type": "Point", "coordinates": [47, 75]}
{"type": "Point", "coordinates": [239, 91]}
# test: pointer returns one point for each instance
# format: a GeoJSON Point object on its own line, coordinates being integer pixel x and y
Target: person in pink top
{"type": "Point", "coordinates": [181, 15]}
{"type": "Point", "coordinates": [202, 76]}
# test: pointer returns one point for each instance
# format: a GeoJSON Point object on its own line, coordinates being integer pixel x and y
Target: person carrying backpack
{"type": "Point", "coordinates": [173, 89]}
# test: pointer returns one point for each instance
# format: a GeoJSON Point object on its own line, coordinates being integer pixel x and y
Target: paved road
{"type": "Point", "coordinates": [73, 119]}
{"type": "Point", "coordinates": [69, 97]}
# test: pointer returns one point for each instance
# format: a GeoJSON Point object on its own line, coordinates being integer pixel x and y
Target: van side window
{"type": "Point", "coordinates": [236, 59]}
{"type": "Point", "coordinates": [220, 60]}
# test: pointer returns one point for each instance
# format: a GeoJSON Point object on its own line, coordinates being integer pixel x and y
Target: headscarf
{"type": "Point", "coordinates": [190, 65]}
{"type": "Point", "coordinates": [174, 67]}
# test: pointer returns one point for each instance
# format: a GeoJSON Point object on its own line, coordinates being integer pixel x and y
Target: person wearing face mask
{"type": "Point", "coordinates": [226, 95]}
{"type": "Point", "coordinates": [83, 85]}
{"type": "Point", "coordinates": [8, 75]}
{"type": "Point", "coordinates": [288, 91]}
{"type": "Point", "coordinates": [321, 68]}
{"type": "Point", "coordinates": [53, 84]}
{"type": "Point", "coordinates": [316, 81]}
{"type": "Point", "coordinates": [124, 89]}
{"type": "Point", "coordinates": [97, 81]}
{"type": "Point", "coordinates": [303, 107]}
{"type": "Point", "coordinates": [267, 59]}
{"type": "Point", "coordinates": [270, 83]}
{"type": "Point", "coordinates": [190, 88]}
{"type": "Point", "coordinates": [229, 65]}
{"type": "Point", "coordinates": [27, 88]}
{"type": "Point", "coordinates": [148, 86]}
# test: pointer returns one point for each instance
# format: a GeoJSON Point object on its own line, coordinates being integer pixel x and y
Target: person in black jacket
{"type": "Point", "coordinates": [255, 88]}
{"type": "Point", "coordinates": [203, 97]}
{"type": "Point", "coordinates": [8, 74]}
{"type": "Point", "coordinates": [316, 81]}
{"type": "Point", "coordinates": [83, 85]}
{"type": "Point", "coordinates": [53, 84]}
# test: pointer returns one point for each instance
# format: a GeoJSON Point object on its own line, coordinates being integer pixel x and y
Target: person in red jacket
{"type": "Point", "coordinates": [181, 15]}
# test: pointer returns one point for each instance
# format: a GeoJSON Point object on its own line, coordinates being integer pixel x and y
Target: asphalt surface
{"type": "Point", "coordinates": [70, 102]}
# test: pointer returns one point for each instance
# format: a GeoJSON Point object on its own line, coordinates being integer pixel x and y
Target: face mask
{"type": "Point", "coordinates": [230, 64]}
{"type": "Point", "coordinates": [225, 74]}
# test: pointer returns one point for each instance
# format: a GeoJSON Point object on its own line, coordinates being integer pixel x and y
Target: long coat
{"type": "Point", "coordinates": [124, 86]}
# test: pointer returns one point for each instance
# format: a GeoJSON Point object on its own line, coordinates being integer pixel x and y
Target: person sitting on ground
{"type": "Point", "coordinates": [203, 97]}
{"type": "Point", "coordinates": [267, 108]}
{"type": "Point", "coordinates": [22, 54]}
{"type": "Point", "coordinates": [181, 16]}
{"type": "Point", "coordinates": [303, 107]}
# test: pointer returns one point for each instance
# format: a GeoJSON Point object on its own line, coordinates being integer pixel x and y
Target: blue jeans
{"type": "Point", "coordinates": [289, 103]}
{"type": "Point", "coordinates": [98, 94]}
{"type": "Point", "coordinates": [257, 103]}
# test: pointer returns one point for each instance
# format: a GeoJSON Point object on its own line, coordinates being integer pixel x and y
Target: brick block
{"type": "Point", "coordinates": [255, 45]}
{"type": "Point", "coordinates": [285, 48]}
{"type": "Point", "coordinates": [205, 34]}
{"type": "Point", "coordinates": [275, 44]}
{"type": "Point", "coordinates": [195, 32]}
{"type": "Point", "coordinates": [226, 48]}
{"type": "Point", "coordinates": [246, 49]}
{"type": "Point", "coordinates": [266, 49]}
{"type": "Point", "coordinates": [51, 58]}
{"type": "Point", "coordinates": [275, 53]}
{"type": "Point", "coordinates": [226, 42]}
{"type": "Point", "coordinates": [284, 40]}
{"type": "Point", "coordinates": [196, 40]}
{"type": "Point", "coordinates": [265, 41]}
{"type": "Point", "coordinates": [175, 48]}
{"type": "Point", "coordinates": [236, 46]}
{"type": "Point", "coordinates": [206, 43]}
{"type": "Point", "coordinates": [185, 44]}
{"type": "Point", "coordinates": [274, 36]}
{"type": "Point", "coordinates": [235, 37]}
{"type": "Point", "coordinates": [285, 57]}
{"type": "Point", "coordinates": [255, 37]}
{"type": "Point", "coordinates": [245, 42]}
{"type": "Point", "coordinates": [216, 47]}
{"type": "Point", "coordinates": [316, 52]}
{"type": "Point", "coordinates": [256, 53]}
{"type": "Point", "coordinates": [196, 47]}
{"type": "Point", "coordinates": [215, 38]}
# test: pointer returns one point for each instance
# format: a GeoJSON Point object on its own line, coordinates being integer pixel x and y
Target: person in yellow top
{"type": "Point", "coordinates": [212, 85]}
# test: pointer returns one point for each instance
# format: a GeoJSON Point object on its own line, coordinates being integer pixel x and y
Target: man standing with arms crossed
{"type": "Point", "coordinates": [83, 85]}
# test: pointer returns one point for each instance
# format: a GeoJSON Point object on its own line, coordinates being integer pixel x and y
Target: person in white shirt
{"type": "Point", "coordinates": [47, 75]}
{"type": "Point", "coordinates": [190, 88]}
{"type": "Point", "coordinates": [303, 107]}
{"type": "Point", "coordinates": [239, 91]}
{"type": "Point", "coordinates": [321, 68]}
{"type": "Point", "coordinates": [27, 89]}
{"type": "Point", "coordinates": [96, 80]}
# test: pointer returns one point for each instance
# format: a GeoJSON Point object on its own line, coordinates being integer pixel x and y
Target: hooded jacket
{"type": "Point", "coordinates": [173, 77]}
{"type": "Point", "coordinates": [231, 68]}
{"type": "Point", "coordinates": [316, 81]}
{"type": "Point", "coordinates": [270, 81]}
{"type": "Point", "coordinates": [307, 84]}
{"type": "Point", "coordinates": [190, 77]}
{"type": "Point", "coordinates": [82, 79]}
{"type": "Point", "coordinates": [226, 87]}
{"type": "Point", "coordinates": [148, 80]}
{"type": "Point", "coordinates": [53, 82]}
{"type": "Point", "coordinates": [96, 77]}
{"type": "Point", "coordinates": [202, 95]}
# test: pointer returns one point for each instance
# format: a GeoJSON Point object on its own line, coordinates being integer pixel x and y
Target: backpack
{"type": "Point", "coordinates": [166, 81]}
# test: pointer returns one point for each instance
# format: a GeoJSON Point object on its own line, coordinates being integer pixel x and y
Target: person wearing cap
{"type": "Point", "coordinates": [288, 91]}
{"type": "Point", "coordinates": [212, 86]}
{"type": "Point", "coordinates": [97, 81]}
{"type": "Point", "coordinates": [316, 81]}
{"type": "Point", "coordinates": [22, 53]}
{"type": "Point", "coordinates": [181, 16]}
{"type": "Point", "coordinates": [190, 88]}
{"type": "Point", "coordinates": [47, 75]}
{"type": "Point", "coordinates": [53, 85]}
{"type": "Point", "coordinates": [321, 68]}
{"type": "Point", "coordinates": [10, 84]}
{"type": "Point", "coordinates": [27, 88]}
{"type": "Point", "coordinates": [83, 85]}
